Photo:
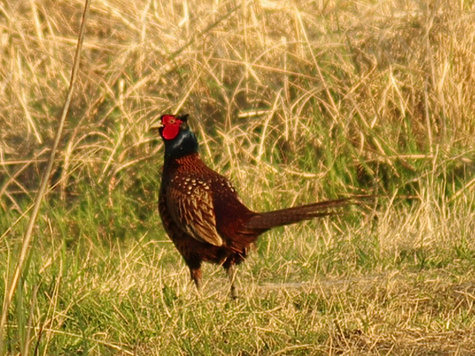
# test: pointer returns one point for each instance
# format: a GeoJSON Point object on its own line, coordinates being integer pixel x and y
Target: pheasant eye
{"type": "Point", "coordinates": [169, 120]}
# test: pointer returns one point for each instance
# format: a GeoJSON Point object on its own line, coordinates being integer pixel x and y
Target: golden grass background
{"type": "Point", "coordinates": [295, 101]}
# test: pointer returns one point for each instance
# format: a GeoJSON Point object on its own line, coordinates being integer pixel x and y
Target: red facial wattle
{"type": "Point", "coordinates": [171, 127]}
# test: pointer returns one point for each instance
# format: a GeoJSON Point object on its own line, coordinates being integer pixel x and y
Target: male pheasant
{"type": "Point", "coordinates": [201, 211]}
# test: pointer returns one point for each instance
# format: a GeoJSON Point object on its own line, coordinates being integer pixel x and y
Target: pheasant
{"type": "Point", "coordinates": [202, 213]}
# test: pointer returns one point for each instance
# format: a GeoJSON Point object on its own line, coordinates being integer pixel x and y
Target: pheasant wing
{"type": "Point", "coordinates": [192, 208]}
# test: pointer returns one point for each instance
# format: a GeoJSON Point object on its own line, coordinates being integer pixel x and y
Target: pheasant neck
{"type": "Point", "coordinates": [184, 144]}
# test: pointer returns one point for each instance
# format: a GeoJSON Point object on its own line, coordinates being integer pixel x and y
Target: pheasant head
{"type": "Point", "coordinates": [179, 140]}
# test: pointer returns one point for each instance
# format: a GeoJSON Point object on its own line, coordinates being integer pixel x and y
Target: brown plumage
{"type": "Point", "coordinates": [202, 213]}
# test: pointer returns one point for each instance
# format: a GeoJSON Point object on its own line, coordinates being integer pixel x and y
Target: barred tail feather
{"type": "Point", "coordinates": [267, 220]}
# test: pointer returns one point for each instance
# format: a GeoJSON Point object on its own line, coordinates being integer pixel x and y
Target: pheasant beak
{"type": "Point", "coordinates": [156, 125]}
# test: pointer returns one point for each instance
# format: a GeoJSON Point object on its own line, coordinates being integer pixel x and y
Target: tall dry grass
{"type": "Point", "coordinates": [386, 83]}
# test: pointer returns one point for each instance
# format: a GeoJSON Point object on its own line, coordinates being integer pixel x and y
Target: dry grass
{"type": "Point", "coordinates": [295, 101]}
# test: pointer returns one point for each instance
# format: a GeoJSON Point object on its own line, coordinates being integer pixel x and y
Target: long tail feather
{"type": "Point", "coordinates": [267, 220]}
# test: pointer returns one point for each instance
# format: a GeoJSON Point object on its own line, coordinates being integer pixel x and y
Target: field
{"type": "Point", "coordinates": [293, 101]}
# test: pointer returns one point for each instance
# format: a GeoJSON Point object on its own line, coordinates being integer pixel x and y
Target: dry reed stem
{"type": "Point", "coordinates": [28, 238]}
